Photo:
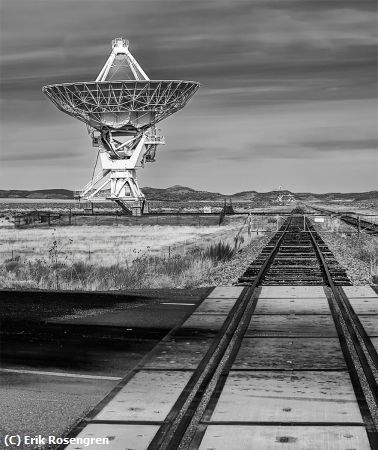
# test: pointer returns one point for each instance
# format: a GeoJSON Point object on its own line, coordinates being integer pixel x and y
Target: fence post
{"type": "Point", "coordinates": [359, 227]}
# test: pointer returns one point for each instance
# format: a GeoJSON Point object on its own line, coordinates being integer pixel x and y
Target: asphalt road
{"type": "Point", "coordinates": [56, 366]}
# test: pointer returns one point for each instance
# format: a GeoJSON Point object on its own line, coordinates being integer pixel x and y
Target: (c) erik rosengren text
{"type": "Point", "coordinates": [16, 440]}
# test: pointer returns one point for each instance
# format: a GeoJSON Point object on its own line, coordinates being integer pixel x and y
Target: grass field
{"type": "Point", "coordinates": [106, 245]}
{"type": "Point", "coordinates": [109, 258]}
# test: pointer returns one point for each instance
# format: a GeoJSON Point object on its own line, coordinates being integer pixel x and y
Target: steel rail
{"type": "Point", "coordinates": [297, 264]}
{"type": "Point", "coordinates": [182, 430]}
{"type": "Point", "coordinates": [180, 426]}
{"type": "Point", "coordinates": [359, 352]}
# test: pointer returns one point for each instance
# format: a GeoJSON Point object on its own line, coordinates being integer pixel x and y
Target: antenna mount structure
{"type": "Point", "coordinates": [121, 109]}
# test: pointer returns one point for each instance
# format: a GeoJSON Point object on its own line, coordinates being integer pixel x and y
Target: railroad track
{"type": "Point", "coordinates": [225, 342]}
{"type": "Point", "coordinates": [362, 225]}
{"type": "Point", "coordinates": [293, 258]}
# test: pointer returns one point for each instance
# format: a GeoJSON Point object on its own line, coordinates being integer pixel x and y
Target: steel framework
{"type": "Point", "coordinates": [126, 105]}
{"type": "Point", "coordinates": [121, 109]}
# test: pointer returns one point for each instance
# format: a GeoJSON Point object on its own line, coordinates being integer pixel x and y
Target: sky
{"type": "Point", "coordinates": [288, 91]}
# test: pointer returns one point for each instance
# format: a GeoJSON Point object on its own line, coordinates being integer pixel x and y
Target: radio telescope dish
{"type": "Point", "coordinates": [122, 102]}
{"type": "Point", "coordinates": [130, 105]}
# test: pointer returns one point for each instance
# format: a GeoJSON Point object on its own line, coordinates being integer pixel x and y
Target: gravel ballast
{"type": "Point", "coordinates": [346, 249]}
{"type": "Point", "coordinates": [228, 273]}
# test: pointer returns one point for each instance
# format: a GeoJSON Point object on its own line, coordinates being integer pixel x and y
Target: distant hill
{"type": "Point", "coordinates": [182, 193]}
{"type": "Point", "coordinates": [335, 196]}
{"type": "Point", "coordinates": [42, 193]}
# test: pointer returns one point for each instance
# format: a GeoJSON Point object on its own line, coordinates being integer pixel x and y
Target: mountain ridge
{"type": "Point", "coordinates": [183, 193]}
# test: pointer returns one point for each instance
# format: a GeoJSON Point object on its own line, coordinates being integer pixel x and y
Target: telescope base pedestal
{"type": "Point", "coordinates": [133, 208]}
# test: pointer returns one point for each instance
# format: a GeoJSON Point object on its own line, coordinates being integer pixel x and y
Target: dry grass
{"type": "Point", "coordinates": [118, 257]}
{"type": "Point", "coordinates": [106, 245]}
{"type": "Point", "coordinates": [366, 249]}
{"type": "Point", "coordinates": [180, 271]}
{"type": "Point", "coordinates": [109, 258]}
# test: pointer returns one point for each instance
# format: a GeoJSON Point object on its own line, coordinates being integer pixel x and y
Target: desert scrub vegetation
{"type": "Point", "coordinates": [145, 271]}
{"type": "Point", "coordinates": [107, 245]}
{"type": "Point", "coordinates": [110, 258]}
{"type": "Point", "coordinates": [220, 251]}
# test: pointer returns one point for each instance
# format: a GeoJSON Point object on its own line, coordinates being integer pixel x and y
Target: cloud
{"type": "Point", "coordinates": [314, 150]}
{"type": "Point", "coordinates": [45, 157]}
{"type": "Point", "coordinates": [288, 79]}
{"type": "Point", "coordinates": [342, 145]}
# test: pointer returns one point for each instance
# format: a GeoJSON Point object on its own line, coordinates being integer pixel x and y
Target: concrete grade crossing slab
{"type": "Point", "coordinates": [292, 325]}
{"type": "Point", "coordinates": [149, 396]}
{"type": "Point", "coordinates": [359, 291]}
{"type": "Point", "coordinates": [370, 323]}
{"type": "Point", "coordinates": [121, 437]}
{"type": "Point", "coordinates": [215, 306]}
{"type": "Point", "coordinates": [374, 341]}
{"type": "Point", "coordinates": [292, 306]}
{"type": "Point", "coordinates": [204, 322]}
{"type": "Point", "coordinates": [364, 305]}
{"type": "Point", "coordinates": [223, 437]}
{"type": "Point", "coordinates": [287, 397]}
{"type": "Point", "coordinates": [226, 292]}
{"type": "Point", "coordinates": [292, 292]}
{"type": "Point", "coordinates": [178, 354]}
{"type": "Point", "coordinates": [290, 353]}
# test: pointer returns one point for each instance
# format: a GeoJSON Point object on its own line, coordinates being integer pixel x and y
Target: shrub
{"type": "Point", "coordinates": [37, 270]}
{"type": "Point", "coordinates": [220, 251]}
{"type": "Point", "coordinates": [13, 265]}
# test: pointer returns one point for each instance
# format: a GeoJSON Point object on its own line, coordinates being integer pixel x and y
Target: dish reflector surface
{"type": "Point", "coordinates": [125, 104]}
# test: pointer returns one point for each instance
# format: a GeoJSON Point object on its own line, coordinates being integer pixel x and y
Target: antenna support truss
{"type": "Point", "coordinates": [121, 109]}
